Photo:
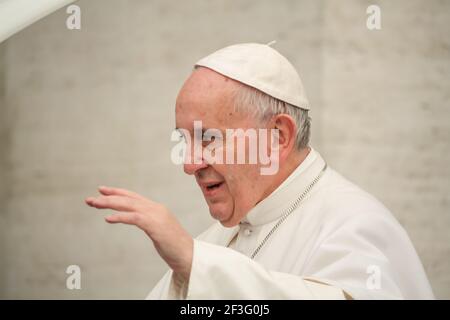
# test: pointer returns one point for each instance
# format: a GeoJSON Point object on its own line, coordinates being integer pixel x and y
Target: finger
{"type": "Point", "coordinates": [119, 192]}
{"type": "Point", "coordinates": [118, 203]}
{"type": "Point", "coordinates": [123, 217]}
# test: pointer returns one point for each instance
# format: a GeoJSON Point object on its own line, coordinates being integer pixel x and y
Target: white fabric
{"type": "Point", "coordinates": [16, 15]}
{"type": "Point", "coordinates": [336, 236]}
{"type": "Point", "coordinates": [261, 67]}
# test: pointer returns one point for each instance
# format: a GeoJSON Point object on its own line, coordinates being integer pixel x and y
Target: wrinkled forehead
{"type": "Point", "coordinates": [207, 96]}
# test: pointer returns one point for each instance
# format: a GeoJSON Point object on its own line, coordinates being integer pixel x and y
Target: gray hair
{"type": "Point", "coordinates": [262, 106]}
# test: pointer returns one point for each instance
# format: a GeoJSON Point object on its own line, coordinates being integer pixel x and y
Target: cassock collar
{"type": "Point", "coordinates": [273, 206]}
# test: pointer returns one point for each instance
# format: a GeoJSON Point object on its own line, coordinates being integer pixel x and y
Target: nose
{"type": "Point", "coordinates": [194, 162]}
{"type": "Point", "coordinates": [192, 168]}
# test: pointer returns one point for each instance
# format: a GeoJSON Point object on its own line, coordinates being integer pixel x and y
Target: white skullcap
{"type": "Point", "coordinates": [261, 67]}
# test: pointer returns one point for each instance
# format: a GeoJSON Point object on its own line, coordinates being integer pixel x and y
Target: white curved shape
{"type": "Point", "coordinates": [16, 15]}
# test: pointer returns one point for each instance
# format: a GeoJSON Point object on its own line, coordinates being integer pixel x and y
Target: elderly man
{"type": "Point", "coordinates": [301, 231]}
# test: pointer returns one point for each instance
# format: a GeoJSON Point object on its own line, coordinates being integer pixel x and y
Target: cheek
{"type": "Point", "coordinates": [242, 182]}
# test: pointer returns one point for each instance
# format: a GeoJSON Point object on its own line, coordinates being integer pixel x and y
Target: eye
{"type": "Point", "coordinates": [211, 135]}
{"type": "Point", "coordinates": [181, 135]}
{"type": "Point", "coordinates": [208, 137]}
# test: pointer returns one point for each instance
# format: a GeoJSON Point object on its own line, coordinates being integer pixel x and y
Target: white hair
{"type": "Point", "coordinates": [261, 105]}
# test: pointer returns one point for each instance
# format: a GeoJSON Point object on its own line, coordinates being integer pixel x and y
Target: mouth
{"type": "Point", "coordinates": [211, 189]}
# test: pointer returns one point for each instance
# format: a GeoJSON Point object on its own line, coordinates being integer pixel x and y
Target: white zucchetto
{"type": "Point", "coordinates": [261, 67]}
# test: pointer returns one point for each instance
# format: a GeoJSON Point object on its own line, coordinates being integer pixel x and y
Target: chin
{"type": "Point", "coordinates": [222, 214]}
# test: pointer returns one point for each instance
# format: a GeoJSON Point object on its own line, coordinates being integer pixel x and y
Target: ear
{"type": "Point", "coordinates": [287, 131]}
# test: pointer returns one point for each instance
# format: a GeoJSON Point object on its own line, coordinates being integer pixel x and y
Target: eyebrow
{"type": "Point", "coordinates": [203, 129]}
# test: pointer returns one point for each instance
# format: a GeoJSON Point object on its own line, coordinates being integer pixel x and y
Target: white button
{"type": "Point", "coordinates": [247, 232]}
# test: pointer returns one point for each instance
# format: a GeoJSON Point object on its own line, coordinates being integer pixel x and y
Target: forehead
{"type": "Point", "coordinates": [207, 96]}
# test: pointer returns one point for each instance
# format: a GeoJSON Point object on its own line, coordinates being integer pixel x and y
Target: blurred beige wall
{"type": "Point", "coordinates": [96, 106]}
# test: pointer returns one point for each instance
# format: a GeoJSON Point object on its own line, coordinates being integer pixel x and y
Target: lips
{"type": "Point", "coordinates": [211, 188]}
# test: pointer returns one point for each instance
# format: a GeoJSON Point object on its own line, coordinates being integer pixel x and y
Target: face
{"type": "Point", "coordinates": [230, 190]}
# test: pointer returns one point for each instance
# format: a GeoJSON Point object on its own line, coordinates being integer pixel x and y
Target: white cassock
{"type": "Point", "coordinates": [339, 242]}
